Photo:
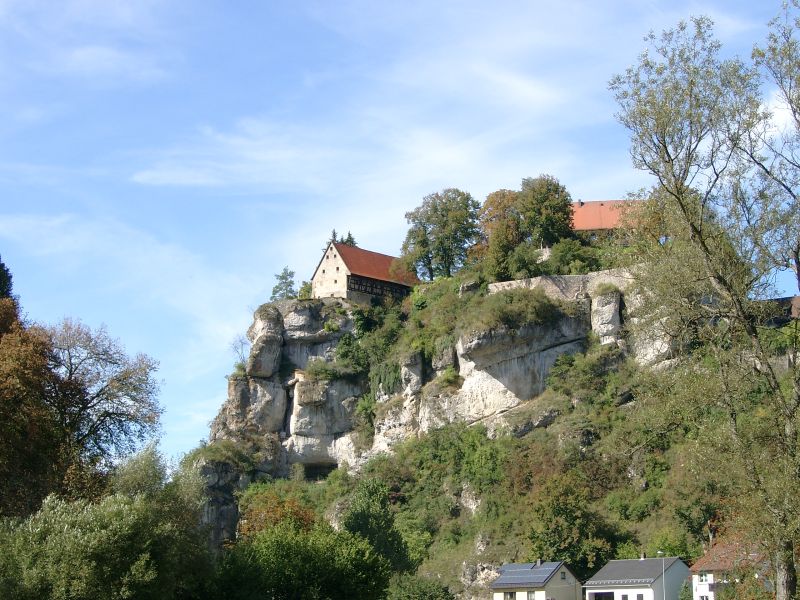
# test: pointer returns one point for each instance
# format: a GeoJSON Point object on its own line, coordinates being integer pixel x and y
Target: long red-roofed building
{"type": "Point", "coordinates": [598, 215]}
{"type": "Point", "coordinates": [357, 274]}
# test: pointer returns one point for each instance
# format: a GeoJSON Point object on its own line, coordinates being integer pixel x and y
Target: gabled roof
{"type": "Point", "coordinates": [368, 264]}
{"type": "Point", "coordinates": [517, 575]}
{"type": "Point", "coordinates": [631, 571]}
{"type": "Point", "coordinates": [726, 556]}
{"type": "Point", "coordinates": [596, 215]}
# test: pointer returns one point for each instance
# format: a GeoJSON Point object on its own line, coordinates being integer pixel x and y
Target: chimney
{"type": "Point", "coordinates": [538, 562]}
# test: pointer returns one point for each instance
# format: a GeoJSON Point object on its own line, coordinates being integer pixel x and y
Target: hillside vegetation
{"type": "Point", "coordinates": [670, 457]}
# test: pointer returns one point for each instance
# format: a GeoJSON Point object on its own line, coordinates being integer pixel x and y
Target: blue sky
{"type": "Point", "coordinates": [161, 161]}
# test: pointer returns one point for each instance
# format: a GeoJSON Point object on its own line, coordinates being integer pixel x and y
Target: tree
{"type": "Point", "coordinates": [285, 562]}
{"type": "Point", "coordinates": [442, 230]}
{"type": "Point", "coordinates": [30, 440]}
{"type": "Point", "coordinates": [348, 240]}
{"type": "Point", "coordinates": [305, 291]}
{"type": "Point", "coordinates": [693, 118]}
{"type": "Point", "coordinates": [5, 281]}
{"type": "Point", "coordinates": [545, 207]}
{"type": "Point", "coordinates": [565, 528]}
{"type": "Point", "coordinates": [517, 225]}
{"type": "Point", "coordinates": [284, 286]}
{"type": "Point", "coordinates": [501, 226]}
{"type": "Point", "coordinates": [140, 542]}
{"type": "Point", "coordinates": [370, 517]}
{"type": "Point", "coordinates": [105, 402]}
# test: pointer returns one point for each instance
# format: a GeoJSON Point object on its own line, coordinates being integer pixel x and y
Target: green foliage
{"type": "Point", "coordinates": [305, 291]}
{"type": "Point", "coordinates": [565, 528]}
{"type": "Point", "coordinates": [442, 229]}
{"type": "Point", "coordinates": [570, 257]}
{"type": "Point", "coordinates": [511, 310]}
{"type": "Point", "coordinates": [285, 562]}
{"type": "Point", "coordinates": [546, 209]}
{"type": "Point", "coordinates": [352, 355]}
{"type": "Point", "coordinates": [370, 517]}
{"type": "Point", "coordinates": [517, 225]}
{"type": "Point", "coordinates": [234, 452]}
{"type": "Point", "coordinates": [6, 288]}
{"type": "Point", "coordinates": [284, 288]}
{"type": "Point", "coordinates": [416, 587]}
{"type": "Point", "coordinates": [673, 542]}
{"type": "Point", "coordinates": [142, 546]}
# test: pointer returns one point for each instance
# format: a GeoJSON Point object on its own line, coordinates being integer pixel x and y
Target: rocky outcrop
{"type": "Point", "coordinates": [220, 512]}
{"type": "Point", "coordinates": [287, 415]}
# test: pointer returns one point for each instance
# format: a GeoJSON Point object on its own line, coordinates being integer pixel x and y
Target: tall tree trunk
{"type": "Point", "coordinates": [785, 572]}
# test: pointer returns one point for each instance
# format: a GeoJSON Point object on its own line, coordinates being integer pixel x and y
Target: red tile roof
{"type": "Point", "coordinates": [600, 214]}
{"type": "Point", "coordinates": [725, 556]}
{"type": "Point", "coordinates": [369, 264]}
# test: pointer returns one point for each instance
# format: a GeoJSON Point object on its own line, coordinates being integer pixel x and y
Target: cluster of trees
{"type": "Point", "coordinates": [503, 237]}
{"type": "Point", "coordinates": [71, 402]}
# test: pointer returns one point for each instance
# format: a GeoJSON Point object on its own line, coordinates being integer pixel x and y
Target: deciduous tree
{"type": "Point", "coordinates": [105, 402]}
{"type": "Point", "coordinates": [692, 116]}
{"type": "Point", "coordinates": [442, 230]}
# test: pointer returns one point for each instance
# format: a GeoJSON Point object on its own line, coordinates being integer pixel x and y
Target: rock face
{"type": "Point", "coordinates": [285, 416]}
{"type": "Point", "coordinates": [311, 419]}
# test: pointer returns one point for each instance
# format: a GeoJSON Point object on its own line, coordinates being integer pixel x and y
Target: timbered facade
{"type": "Point", "coordinates": [357, 274]}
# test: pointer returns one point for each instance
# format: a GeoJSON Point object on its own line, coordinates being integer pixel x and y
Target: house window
{"type": "Point", "coordinates": [703, 577]}
{"type": "Point", "coordinates": [624, 596]}
{"type": "Point", "coordinates": [563, 575]}
{"type": "Point", "coordinates": [508, 595]}
{"type": "Point", "coordinates": [531, 595]}
{"type": "Point", "coordinates": [639, 596]}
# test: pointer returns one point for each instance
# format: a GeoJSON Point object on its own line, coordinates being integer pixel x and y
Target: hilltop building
{"type": "Point", "coordinates": [594, 218]}
{"type": "Point", "coordinates": [357, 274]}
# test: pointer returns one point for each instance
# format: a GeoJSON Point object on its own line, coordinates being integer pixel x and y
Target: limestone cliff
{"type": "Point", "coordinates": [286, 417]}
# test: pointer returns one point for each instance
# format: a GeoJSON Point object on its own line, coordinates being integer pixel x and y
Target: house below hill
{"type": "Point", "coordinates": [638, 579]}
{"type": "Point", "coordinates": [359, 275]}
{"type": "Point", "coordinates": [725, 563]}
{"type": "Point", "coordinates": [536, 581]}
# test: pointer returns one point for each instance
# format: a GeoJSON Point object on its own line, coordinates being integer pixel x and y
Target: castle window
{"type": "Point", "coordinates": [334, 281]}
{"type": "Point", "coordinates": [323, 271]}
{"type": "Point", "coordinates": [337, 269]}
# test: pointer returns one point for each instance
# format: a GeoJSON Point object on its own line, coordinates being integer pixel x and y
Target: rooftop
{"type": "Point", "coordinates": [517, 575]}
{"type": "Point", "coordinates": [370, 264]}
{"type": "Point", "coordinates": [596, 215]}
{"type": "Point", "coordinates": [725, 556]}
{"type": "Point", "coordinates": [631, 571]}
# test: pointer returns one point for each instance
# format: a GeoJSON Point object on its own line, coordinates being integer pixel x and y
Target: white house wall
{"type": "Point", "coordinates": [631, 593]}
{"type": "Point", "coordinates": [330, 278]}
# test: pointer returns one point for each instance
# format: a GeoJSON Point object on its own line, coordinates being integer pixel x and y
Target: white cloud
{"type": "Point", "coordinates": [107, 62]}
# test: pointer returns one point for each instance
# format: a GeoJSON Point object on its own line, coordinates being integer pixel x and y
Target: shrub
{"type": "Point", "coordinates": [510, 309]}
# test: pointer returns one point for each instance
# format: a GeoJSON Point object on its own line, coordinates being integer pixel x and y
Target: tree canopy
{"type": "Point", "coordinates": [284, 288]}
{"type": "Point", "coordinates": [442, 230]}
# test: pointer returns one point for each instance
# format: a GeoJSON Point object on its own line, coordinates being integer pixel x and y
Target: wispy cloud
{"type": "Point", "coordinates": [103, 42]}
